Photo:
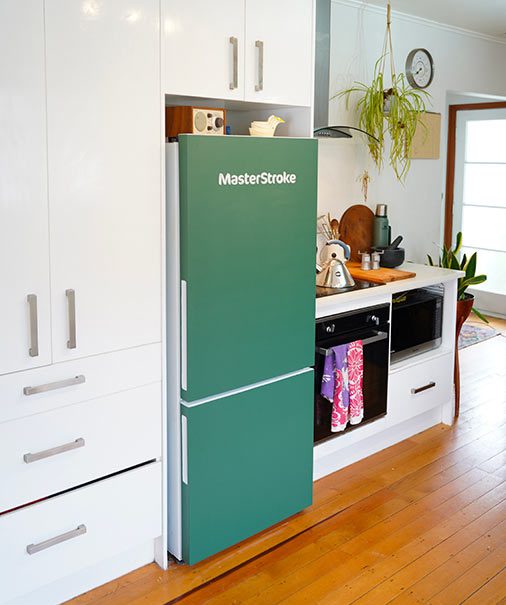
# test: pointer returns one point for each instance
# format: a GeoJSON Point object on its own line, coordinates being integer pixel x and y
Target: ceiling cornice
{"type": "Point", "coordinates": [373, 8]}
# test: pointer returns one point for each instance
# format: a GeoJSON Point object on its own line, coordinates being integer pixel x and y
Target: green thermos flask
{"type": "Point", "coordinates": [381, 231]}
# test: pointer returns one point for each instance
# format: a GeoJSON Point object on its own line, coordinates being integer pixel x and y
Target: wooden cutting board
{"type": "Point", "coordinates": [378, 276]}
{"type": "Point", "coordinates": [356, 229]}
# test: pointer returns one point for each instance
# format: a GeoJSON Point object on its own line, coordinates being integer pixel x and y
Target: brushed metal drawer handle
{"type": "Point", "coordinates": [51, 386]}
{"type": "Point", "coordinates": [424, 388]}
{"type": "Point", "coordinates": [54, 451]}
{"type": "Point", "coordinates": [31, 549]}
{"type": "Point", "coordinates": [33, 351]}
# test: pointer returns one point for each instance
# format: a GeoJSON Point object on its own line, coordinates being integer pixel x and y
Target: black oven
{"type": "Point", "coordinates": [417, 321]}
{"type": "Point", "coordinates": [371, 325]}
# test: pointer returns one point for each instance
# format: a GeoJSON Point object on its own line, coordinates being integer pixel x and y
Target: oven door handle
{"type": "Point", "coordinates": [378, 335]}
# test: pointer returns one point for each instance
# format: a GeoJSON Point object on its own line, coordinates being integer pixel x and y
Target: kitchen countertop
{"type": "Point", "coordinates": [425, 276]}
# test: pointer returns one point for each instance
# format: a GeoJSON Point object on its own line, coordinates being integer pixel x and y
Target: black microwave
{"type": "Point", "coordinates": [417, 322]}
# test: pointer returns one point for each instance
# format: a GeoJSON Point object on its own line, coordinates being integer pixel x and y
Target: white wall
{"type": "Point", "coordinates": [465, 64]}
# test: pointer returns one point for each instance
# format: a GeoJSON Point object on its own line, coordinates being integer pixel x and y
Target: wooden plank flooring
{"type": "Point", "coordinates": [423, 521]}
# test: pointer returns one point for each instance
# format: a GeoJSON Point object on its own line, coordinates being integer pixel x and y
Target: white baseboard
{"type": "Point", "coordinates": [327, 461]}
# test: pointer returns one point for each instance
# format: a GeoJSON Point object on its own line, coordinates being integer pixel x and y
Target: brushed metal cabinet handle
{"type": "Point", "coordinates": [425, 387]}
{"type": "Point", "coordinates": [33, 351]}
{"type": "Point", "coordinates": [31, 549]}
{"type": "Point", "coordinates": [235, 62]}
{"type": "Point", "coordinates": [54, 451]}
{"type": "Point", "coordinates": [51, 386]}
{"type": "Point", "coordinates": [71, 299]}
{"type": "Point", "coordinates": [260, 84]}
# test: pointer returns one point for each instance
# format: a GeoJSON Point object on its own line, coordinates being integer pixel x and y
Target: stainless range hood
{"type": "Point", "coordinates": [321, 90]}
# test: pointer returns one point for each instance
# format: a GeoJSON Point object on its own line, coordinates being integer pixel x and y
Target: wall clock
{"type": "Point", "coordinates": [419, 68]}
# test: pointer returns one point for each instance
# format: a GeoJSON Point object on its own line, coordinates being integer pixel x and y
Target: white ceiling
{"type": "Point", "coordinates": [483, 16]}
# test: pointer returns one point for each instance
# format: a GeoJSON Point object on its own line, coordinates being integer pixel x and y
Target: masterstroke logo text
{"type": "Point", "coordinates": [262, 178]}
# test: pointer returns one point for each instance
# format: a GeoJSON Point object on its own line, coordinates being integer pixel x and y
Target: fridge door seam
{"type": "Point", "coordinates": [250, 387]}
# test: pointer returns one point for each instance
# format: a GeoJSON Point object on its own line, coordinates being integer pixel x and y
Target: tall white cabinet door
{"type": "Point", "coordinates": [24, 256]}
{"type": "Point", "coordinates": [279, 51]}
{"type": "Point", "coordinates": [105, 144]}
{"type": "Point", "coordinates": [204, 48]}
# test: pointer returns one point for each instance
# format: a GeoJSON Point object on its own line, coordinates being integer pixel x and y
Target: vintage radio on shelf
{"type": "Point", "coordinates": [194, 120]}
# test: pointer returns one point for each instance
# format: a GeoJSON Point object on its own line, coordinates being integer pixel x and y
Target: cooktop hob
{"type": "Point", "coordinates": [360, 284]}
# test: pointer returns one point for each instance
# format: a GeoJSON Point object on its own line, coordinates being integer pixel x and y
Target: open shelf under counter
{"type": "Point", "coordinates": [409, 362]}
{"type": "Point", "coordinates": [240, 114]}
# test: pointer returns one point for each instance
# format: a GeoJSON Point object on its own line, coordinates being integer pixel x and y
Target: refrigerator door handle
{"type": "Point", "coordinates": [184, 449]}
{"type": "Point", "coordinates": [184, 336]}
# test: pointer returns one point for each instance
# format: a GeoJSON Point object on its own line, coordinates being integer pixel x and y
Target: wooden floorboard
{"type": "Point", "coordinates": [423, 521]}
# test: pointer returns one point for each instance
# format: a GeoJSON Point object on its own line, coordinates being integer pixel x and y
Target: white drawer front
{"type": "Point", "coordinates": [112, 516]}
{"type": "Point", "coordinates": [79, 380]}
{"type": "Point", "coordinates": [48, 453]}
{"type": "Point", "coordinates": [420, 388]}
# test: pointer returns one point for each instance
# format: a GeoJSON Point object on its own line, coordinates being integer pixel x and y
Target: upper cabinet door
{"type": "Point", "coordinates": [24, 257]}
{"type": "Point", "coordinates": [279, 51]}
{"type": "Point", "coordinates": [105, 143]}
{"type": "Point", "coordinates": [204, 48]}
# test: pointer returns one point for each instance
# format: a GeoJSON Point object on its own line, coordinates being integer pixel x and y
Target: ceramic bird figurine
{"type": "Point", "coordinates": [266, 128]}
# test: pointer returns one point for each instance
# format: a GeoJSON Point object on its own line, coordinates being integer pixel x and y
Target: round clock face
{"type": "Point", "coordinates": [419, 68]}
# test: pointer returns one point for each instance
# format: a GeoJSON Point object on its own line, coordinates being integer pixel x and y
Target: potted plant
{"type": "Point", "coordinates": [449, 260]}
{"type": "Point", "coordinates": [396, 110]}
{"type": "Point", "coordinates": [465, 301]}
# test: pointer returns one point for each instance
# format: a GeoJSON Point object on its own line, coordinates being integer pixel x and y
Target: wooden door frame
{"type": "Point", "coordinates": [450, 159]}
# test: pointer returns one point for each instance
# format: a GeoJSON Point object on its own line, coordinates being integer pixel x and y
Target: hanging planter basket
{"type": "Point", "coordinates": [395, 109]}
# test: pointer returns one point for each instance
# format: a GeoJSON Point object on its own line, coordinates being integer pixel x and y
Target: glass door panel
{"type": "Point", "coordinates": [480, 200]}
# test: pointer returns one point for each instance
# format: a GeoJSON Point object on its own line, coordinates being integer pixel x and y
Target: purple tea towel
{"type": "Point", "coordinates": [333, 362]}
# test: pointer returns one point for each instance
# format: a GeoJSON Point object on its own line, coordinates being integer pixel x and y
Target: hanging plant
{"type": "Point", "coordinates": [396, 110]}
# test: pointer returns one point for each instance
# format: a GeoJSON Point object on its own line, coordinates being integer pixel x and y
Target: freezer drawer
{"type": "Point", "coordinates": [247, 260]}
{"type": "Point", "coordinates": [247, 463]}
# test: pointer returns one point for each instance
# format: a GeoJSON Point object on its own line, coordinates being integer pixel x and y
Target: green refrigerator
{"type": "Point", "coordinates": [241, 221]}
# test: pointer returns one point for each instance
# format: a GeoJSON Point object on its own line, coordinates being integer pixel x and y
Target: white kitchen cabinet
{"type": "Point", "coordinates": [81, 146]}
{"type": "Point", "coordinates": [274, 41]}
{"type": "Point", "coordinates": [55, 538]}
{"type": "Point", "coordinates": [420, 387]}
{"type": "Point", "coordinates": [279, 55]}
{"type": "Point", "coordinates": [51, 452]}
{"type": "Point", "coordinates": [204, 48]}
{"type": "Point", "coordinates": [104, 146]}
{"type": "Point", "coordinates": [24, 260]}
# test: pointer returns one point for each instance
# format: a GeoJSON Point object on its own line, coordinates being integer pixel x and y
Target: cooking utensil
{"type": "Point", "coordinates": [392, 255]}
{"type": "Point", "coordinates": [334, 225]}
{"type": "Point", "coordinates": [380, 276]}
{"type": "Point", "coordinates": [395, 243]}
{"type": "Point", "coordinates": [324, 228]}
{"type": "Point", "coordinates": [356, 229]}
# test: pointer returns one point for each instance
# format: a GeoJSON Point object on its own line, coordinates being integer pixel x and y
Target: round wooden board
{"type": "Point", "coordinates": [356, 229]}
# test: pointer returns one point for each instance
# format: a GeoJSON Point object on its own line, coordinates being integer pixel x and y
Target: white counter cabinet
{"type": "Point", "coordinates": [420, 389]}
{"type": "Point", "coordinates": [246, 50]}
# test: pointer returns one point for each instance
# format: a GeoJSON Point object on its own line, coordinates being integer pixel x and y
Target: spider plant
{"type": "Point", "coordinates": [396, 110]}
{"type": "Point", "coordinates": [404, 105]}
